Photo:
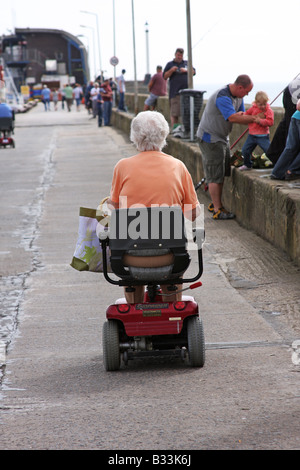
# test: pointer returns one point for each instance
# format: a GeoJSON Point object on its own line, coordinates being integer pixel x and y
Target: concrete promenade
{"type": "Point", "coordinates": [55, 393]}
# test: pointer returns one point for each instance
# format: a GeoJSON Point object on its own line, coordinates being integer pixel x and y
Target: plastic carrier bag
{"type": "Point", "coordinates": [88, 252]}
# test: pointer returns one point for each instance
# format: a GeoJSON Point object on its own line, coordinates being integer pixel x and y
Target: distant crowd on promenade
{"type": "Point", "coordinates": [98, 97]}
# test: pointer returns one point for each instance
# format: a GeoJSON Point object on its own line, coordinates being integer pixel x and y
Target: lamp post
{"type": "Point", "coordinates": [134, 61]}
{"type": "Point", "coordinates": [114, 35]}
{"type": "Point", "coordinates": [90, 27]}
{"type": "Point", "coordinates": [189, 41]}
{"type": "Point", "coordinates": [147, 76]}
{"type": "Point", "coordinates": [147, 47]}
{"type": "Point", "coordinates": [98, 37]}
{"type": "Point", "coordinates": [87, 48]}
{"type": "Point", "coordinates": [87, 39]}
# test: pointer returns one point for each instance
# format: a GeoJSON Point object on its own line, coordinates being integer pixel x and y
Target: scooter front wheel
{"type": "Point", "coordinates": [111, 345]}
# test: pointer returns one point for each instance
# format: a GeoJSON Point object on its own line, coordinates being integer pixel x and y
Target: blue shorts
{"type": "Point", "coordinates": [151, 100]}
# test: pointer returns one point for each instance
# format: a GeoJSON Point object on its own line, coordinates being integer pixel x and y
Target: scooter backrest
{"type": "Point", "coordinates": [155, 230]}
{"type": "Point", "coordinates": [6, 124]}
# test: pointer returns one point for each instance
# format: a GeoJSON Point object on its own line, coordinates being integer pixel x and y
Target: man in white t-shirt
{"type": "Point", "coordinates": [94, 96]}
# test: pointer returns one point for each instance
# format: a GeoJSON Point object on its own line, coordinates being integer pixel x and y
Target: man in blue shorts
{"type": "Point", "coordinates": [224, 108]}
{"type": "Point", "coordinates": [157, 87]}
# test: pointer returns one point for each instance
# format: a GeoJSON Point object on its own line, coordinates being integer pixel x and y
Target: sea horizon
{"type": "Point", "coordinates": [274, 91]}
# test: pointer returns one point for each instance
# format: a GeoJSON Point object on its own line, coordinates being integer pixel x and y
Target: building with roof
{"type": "Point", "coordinates": [44, 56]}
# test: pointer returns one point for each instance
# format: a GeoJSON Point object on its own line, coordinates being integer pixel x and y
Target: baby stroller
{"type": "Point", "coordinates": [6, 129]}
{"type": "Point", "coordinates": [154, 327]}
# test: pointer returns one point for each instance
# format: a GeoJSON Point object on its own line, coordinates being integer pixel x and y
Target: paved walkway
{"type": "Point", "coordinates": [55, 392]}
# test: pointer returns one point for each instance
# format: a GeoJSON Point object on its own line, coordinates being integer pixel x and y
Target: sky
{"type": "Point", "coordinates": [231, 37]}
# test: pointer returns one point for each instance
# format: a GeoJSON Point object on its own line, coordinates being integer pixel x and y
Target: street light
{"type": "Point", "coordinates": [87, 39]}
{"type": "Point", "coordinates": [147, 75]}
{"type": "Point", "coordinates": [134, 61]}
{"type": "Point", "coordinates": [147, 47]}
{"type": "Point", "coordinates": [98, 36]}
{"type": "Point", "coordinates": [114, 35]}
{"type": "Point", "coordinates": [90, 27]}
{"type": "Point", "coordinates": [189, 41]}
{"type": "Point", "coordinates": [87, 48]}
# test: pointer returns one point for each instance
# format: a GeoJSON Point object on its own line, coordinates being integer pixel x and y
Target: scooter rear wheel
{"type": "Point", "coordinates": [111, 345]}
{"type": "Point", "coordinates": [196, 342]}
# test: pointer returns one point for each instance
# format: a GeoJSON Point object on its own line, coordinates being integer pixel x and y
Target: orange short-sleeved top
{"type": "Point", "coordinates": [152, 177]}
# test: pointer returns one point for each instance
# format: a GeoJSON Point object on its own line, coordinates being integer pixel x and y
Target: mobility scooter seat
{"type": "Point", "coordinates": [148, 233]}
{"type": "Point", "coordinates": [6, 124]}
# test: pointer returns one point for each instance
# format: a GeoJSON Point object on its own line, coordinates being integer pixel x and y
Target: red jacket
{"type": "Point", "coordinates": [263, 127]}
{"type": "Point", "coordinates": [106, 92]}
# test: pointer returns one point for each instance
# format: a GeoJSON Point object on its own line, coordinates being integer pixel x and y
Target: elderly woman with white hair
{"type": "Point", "coordinates": [152, 178]}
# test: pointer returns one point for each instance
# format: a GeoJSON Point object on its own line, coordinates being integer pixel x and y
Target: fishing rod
{"type": "Point", "coordinates": [200, 184]}
{"type": "Point", "coordinates": [246, 130]}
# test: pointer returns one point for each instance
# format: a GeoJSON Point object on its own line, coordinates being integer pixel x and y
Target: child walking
{"type": "Point", "coordinates": [259, 130]}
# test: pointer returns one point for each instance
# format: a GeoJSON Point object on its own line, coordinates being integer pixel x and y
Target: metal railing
{"type": "Point", "coordinates": [24, 55]}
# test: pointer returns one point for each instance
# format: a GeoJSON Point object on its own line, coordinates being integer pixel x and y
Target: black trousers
{"type": "Point", "coordinates": [278, 142]}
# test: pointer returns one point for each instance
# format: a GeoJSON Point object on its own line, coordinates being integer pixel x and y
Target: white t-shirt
{"type": "Point", "coordinates": [94, 93]}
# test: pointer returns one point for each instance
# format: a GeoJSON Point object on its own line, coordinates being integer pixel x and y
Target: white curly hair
{"type": "Point", "coordinates": [149, 130]}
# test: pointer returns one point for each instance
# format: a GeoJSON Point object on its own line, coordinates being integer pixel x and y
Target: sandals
{"type": "Point", "coordinates": [221, 213]}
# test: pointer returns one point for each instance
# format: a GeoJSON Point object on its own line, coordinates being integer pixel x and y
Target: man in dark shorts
{"type": "Point", "coordinates": [224, 108]}
{"type": "Point", "coordinates": [177, 72]}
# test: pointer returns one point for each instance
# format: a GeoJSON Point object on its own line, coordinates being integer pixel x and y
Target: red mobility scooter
{"type": "Point", "coordinates": [155, 327]}
{"type": "Point", "coordinates": [6, 130]}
